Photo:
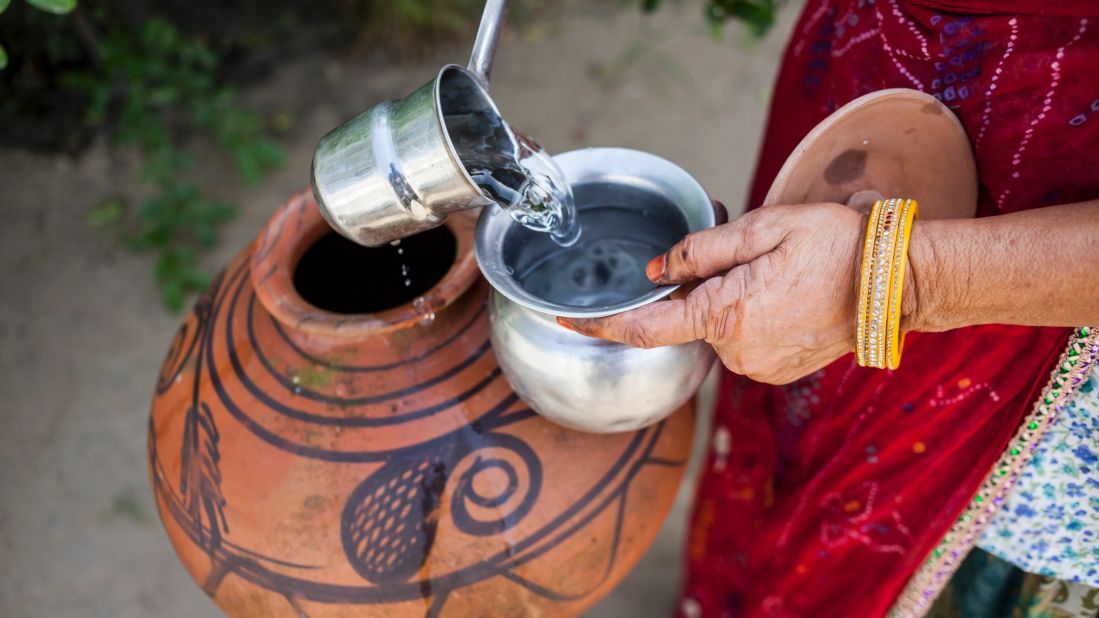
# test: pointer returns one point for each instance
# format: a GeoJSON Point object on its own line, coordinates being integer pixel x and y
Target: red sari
{"type": "Point", "coordinates": [821, 498]}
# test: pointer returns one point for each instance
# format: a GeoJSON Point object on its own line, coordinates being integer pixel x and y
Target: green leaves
{"type": "Point", "coordinates": [157, 86]}
{"type": "Point", "coordinates": [239, 131]}
{"type": "Point", "coordinates": [107, 213]}
{"type": "Point", "coordinates": [57, 7]}
{"type": "Point", "coordinates": [3, 52]}
{"type": "Point", "coordinates": [757, 15]}
{"type": "Point", "coordinates": [255, 157]}
{"type": "Point", "coordinates": [54, 7]}
{"type": "Point", "coordinates": [177, 223]}
{"type": "Point", "coordinates": [179, 275]}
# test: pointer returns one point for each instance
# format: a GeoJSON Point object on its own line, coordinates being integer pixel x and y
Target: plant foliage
{"type": "Point", "coordinates": [153, 88]}
{"type": "Point", "coordinates": [163, 85]}
{"type": "Point", "coordinates": [757, 15]}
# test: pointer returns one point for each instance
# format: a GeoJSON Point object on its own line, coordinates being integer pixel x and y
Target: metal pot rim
{"type": "Point", "coordinates": [584, 166]}
{"type": "Point", "coordinates": [452, 152]}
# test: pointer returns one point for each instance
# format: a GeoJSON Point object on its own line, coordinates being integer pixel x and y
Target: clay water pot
{"type": "Point", "coordinates": [325, 441]}
{"type": "Point", "coordinates": [896, 142]}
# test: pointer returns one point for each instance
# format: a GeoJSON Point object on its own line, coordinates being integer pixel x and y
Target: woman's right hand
{"type": "Point", "coordinates": [777, 296]}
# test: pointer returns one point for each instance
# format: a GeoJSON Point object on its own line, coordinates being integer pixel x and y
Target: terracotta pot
{"type": "Point", "coordinates": [314, 463]}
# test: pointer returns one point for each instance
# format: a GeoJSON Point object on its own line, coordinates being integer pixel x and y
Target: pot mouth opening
{"type": "Point", "coordinates": [315, 281]}
{"type": "Point", "coordinates": [342, 277]}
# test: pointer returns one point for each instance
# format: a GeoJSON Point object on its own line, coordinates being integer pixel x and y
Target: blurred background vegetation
{"type": "Point", "coordinates": [152, 76]}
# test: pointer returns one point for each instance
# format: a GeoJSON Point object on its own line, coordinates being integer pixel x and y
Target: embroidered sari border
{"type": "Point", "coordinates": [932, 575]}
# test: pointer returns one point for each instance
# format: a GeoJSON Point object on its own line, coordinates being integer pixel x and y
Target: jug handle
{"type": "Point", "coordinates": [484, 46]}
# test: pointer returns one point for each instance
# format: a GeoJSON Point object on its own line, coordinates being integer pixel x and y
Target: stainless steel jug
{"type": "Point", "coordinates": [392, 171]}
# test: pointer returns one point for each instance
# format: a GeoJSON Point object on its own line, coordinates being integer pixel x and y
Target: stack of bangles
{"type": "Point", "coordinates": [878, 336]}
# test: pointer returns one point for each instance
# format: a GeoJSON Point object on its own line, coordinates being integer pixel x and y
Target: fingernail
{"type": "Point", "coordinates": [721, 214]}
{"type": "Point", "coordinates": [655, 268]}
{"type": "Point", "coordinates": [565, 324]}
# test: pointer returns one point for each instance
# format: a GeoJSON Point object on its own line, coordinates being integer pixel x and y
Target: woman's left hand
{"type": "Point", "coordinates": [778, 297]}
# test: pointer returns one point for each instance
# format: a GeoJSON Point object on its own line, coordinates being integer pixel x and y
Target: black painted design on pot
{"type": "Point", "coordinates": [508, 517]}
{"type": "Point", "coordinates": [389, 523]}
{"type": "Point", "coordinates": [200, 476]}
{"type": "Point", "coordinates": [251, 566]}
{"type": "Point", "coordinates": [423, 470]}
{"type": "Point", "coordinates": [185, 342]}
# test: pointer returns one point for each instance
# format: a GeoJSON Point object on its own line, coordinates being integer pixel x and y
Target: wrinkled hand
{"type": "Point", "coordinates": [777, 298]}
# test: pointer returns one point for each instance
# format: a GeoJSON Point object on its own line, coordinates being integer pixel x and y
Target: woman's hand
{"type": "Point", "coordinates": [778, 297]}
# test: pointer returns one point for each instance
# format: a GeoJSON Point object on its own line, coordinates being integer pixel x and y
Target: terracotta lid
{"type": "Point", "coordinates": [898, 142]}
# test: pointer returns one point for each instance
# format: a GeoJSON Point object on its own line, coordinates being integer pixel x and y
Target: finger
{"type": "Point", "coordinates": [654, 268]}
{"type": "Point", "coordinates": [862, 201]}
{"type": "Point", "coordinates": [721, 213]}
{"type": "Point", "coordinates": [715, 250]}
{"type": "Point", "coordinates": [684, 290]}
{"type": "Point", "coordinates": [658, 324]}
{"type": "Point", "coordinates": [706, 310]}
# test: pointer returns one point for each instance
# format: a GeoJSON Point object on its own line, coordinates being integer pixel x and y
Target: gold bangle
{"type": "Point", "coordinates": [868, 339]}
{"type": "Point", "coordinates": [894, 335]}
{"type": "Point", "coordinates": [866, 273]}
{"type": "Point", "coordinates": [881, 283]}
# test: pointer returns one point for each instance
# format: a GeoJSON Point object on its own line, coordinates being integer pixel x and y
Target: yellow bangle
{"type": "Point", "coordinates": [878, 269]}
{"type": "Point", "coordinates": [866, 290]}
{"type": "Point", "coordinates": [894, 335]}
{"type": "Point", "coordinates": [881, 283]}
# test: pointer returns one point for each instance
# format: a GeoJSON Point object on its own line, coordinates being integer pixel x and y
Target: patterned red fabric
{"type": "Point", "coordinates": [822, 497]}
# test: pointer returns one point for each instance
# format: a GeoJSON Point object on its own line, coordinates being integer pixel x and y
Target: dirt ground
{"type": "Point", "coordinates": [82, 331]}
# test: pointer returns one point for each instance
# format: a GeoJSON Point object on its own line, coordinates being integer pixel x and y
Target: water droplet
{"type": "Point", "coordinates": [407, 282]}
{"type": "Point", "coordinates": [427, 314]}
{"type": "Point", "coordinates": [396, 243]}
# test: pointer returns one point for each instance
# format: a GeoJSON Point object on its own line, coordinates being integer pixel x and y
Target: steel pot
{"type": "Point", "coordinates": [576, 381]}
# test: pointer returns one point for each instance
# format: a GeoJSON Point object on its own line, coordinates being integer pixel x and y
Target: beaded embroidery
{"type": "Point", "coordinates": [929, 579]}
{"type": "Point", "coordinates": [1050, 522]}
